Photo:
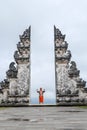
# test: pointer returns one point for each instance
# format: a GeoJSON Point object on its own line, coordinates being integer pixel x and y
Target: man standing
{"type": "Point", "coordinates": [41, 97]}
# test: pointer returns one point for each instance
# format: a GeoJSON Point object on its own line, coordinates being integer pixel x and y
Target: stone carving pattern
{"type": "Point", "coordinates": [12, 72]}
{"type": "Point", "coordinates": [26, 34]}
{"type": "Point", "coordinates": [23, 80]}
{"type": "Point", "coordinates": [58, 34]}
{"type": "Point", "coordinates": [73, 71]}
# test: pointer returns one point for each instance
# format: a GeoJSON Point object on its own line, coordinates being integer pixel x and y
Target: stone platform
{"type": "Point", "coordinates": [43, 118]}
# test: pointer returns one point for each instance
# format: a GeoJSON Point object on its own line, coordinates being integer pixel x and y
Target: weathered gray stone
{"type": "Point", "coordinates": [13, 86]}
{"type": "Point", "coordinates": [23, 79]}
{"type": "Point", "coordinates": [70, 88]}
{"type": "Point", "coordinates": [16, 90]}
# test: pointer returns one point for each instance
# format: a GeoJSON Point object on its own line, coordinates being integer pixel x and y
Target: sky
{"type": "Point", "coordinates": [70, 16]}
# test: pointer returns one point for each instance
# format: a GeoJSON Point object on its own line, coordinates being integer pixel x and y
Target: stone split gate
{"type": "Point", "coordinates": [70, 88]}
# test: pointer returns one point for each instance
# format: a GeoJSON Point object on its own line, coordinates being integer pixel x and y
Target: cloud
{"type": "Point", "coordinates": [69, 16]}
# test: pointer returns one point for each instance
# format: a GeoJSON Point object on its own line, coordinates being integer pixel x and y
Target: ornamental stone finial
{"type": "Point", "coordinates": [58, 35]}
{"type": "Point", "coordinates": [26, 34]}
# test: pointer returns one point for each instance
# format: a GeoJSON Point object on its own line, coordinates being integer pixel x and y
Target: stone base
{"type": "Point", "coordinates": [71, 104]}
{"type": "Point", "coordinates": [70, 101]}
{"type": "Point", "coordinates": [16, 101]}
{"type": "Point", "coordinates": [14, 105]}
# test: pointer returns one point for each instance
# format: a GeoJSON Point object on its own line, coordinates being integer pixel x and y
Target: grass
{"type": "Point", "coordinates": [85, 107]}
{"type": "Point", "coordinates": [2, 108]}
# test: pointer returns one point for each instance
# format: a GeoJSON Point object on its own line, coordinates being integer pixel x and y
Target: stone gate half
{"type": "Point", "coordinates": [70, 88]}
{"type": "Point", "coordinates": [14, 90]}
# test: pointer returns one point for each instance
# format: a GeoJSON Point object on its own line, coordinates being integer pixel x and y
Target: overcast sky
{"type": "Point", "coordinates": [70, 16]}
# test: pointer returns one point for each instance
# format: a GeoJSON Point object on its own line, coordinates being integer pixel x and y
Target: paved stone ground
{"type": "Point", "coordinates": [43, 118]}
